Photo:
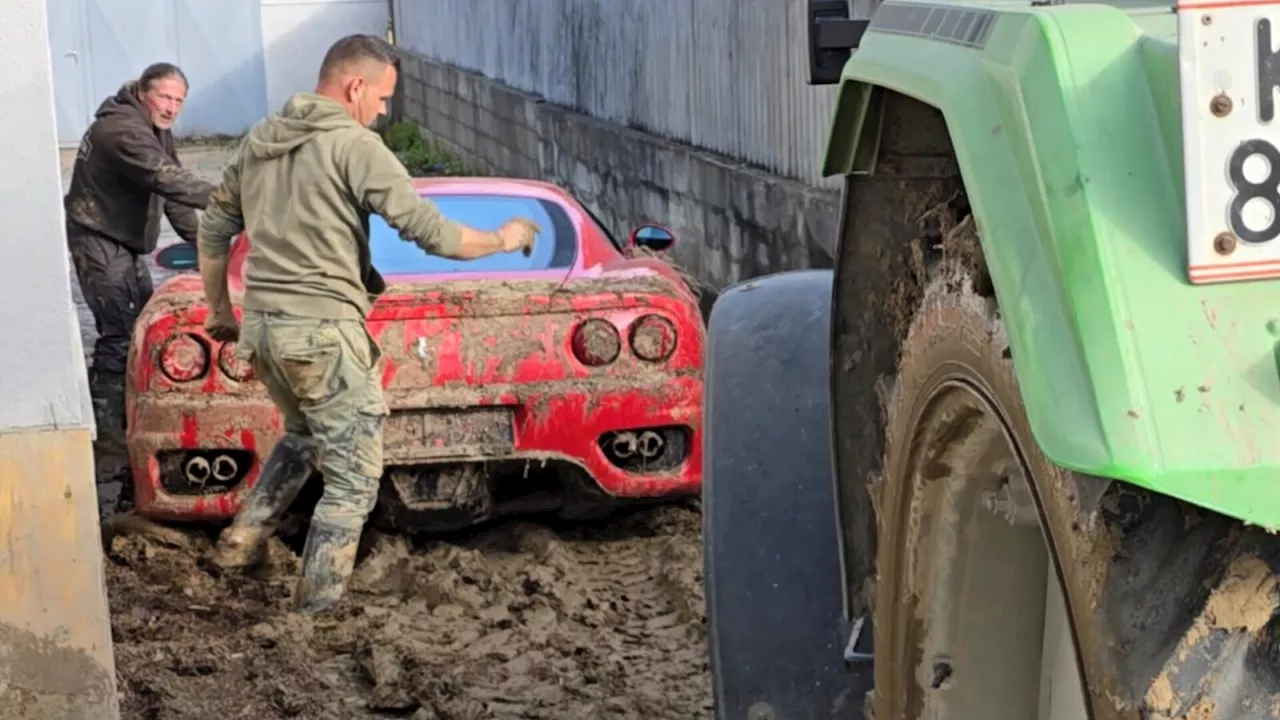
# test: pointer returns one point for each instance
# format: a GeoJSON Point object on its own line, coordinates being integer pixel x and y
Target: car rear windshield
{"type": "Point", "coordinates": [555, 247]}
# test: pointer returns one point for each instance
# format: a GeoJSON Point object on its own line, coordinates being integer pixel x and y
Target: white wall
{"type": "Point", "coordinates": [42, 373]}
{"type": "Point", "coordinates": [297, 33]}
{"type": "Point", "coordinates": [244, 57]}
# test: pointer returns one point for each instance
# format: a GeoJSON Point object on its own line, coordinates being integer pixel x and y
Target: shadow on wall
{"type": "Point", "coordinates": [733, 222]}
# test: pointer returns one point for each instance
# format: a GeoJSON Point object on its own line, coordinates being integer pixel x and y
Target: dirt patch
{"type": "Point", "coordinates": [698, 287]}
{"type": "Point", "coordinates": [518, 620]}
{"type": "Point", "coordinates": [600, 341]}
{"type": "Point", "coordinates": [1246, 598]}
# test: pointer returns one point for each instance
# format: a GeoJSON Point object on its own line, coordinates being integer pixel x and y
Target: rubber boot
{"type": "Point", "coordinates": [110, 454]}
{"type": "Point", "coordinates": [283, 475]}
{"type": "Point", "coordinates": [327, 562]}
{"type": "Point", "coordinates": [124, 476]}
{"type": "Point", "coordinates": [106, 390]}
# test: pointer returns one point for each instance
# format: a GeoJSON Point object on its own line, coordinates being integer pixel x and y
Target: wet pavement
{"type": "Point", "coordinates": [207, 160]}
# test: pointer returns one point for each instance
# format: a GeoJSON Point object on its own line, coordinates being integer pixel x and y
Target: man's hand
{"type": "Point", "coordinates": [222, 326]}
{"type": "Point", "coordinates": [517, 234]}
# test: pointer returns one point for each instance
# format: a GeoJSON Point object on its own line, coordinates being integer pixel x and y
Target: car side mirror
{"type": "Point", "coordinates": [179, 256]}
{"type": "Point", "coordinates": [652, 237]}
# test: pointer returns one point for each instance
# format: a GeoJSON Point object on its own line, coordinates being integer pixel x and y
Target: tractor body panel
{"type": "Point", "coordinates": [1066, 125]}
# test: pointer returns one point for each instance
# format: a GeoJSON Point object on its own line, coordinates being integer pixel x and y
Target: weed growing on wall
{"type": "Point", "coordinates": [419, 157]}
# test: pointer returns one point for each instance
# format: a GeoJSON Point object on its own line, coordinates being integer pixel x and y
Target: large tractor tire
{"type": "Point", "coordinates": [1012, 589]}
{"type": "Point", "coordinates": [773, 577]}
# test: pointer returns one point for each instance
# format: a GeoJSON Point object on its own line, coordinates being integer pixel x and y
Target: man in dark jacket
{"type": "Point", "coordinates": [126, 173]}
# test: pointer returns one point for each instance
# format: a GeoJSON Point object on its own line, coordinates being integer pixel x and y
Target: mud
{"type": "Point", "coordinates": [698, 287]}
{"type": "Point", "coordinates": [1245, 599]}
{"type": "Point", "coordinates": [600, 341]}
{"type": "Point", "coordinates": [462, 298]}
{"type": "Point", "coordinates": [516, 620]}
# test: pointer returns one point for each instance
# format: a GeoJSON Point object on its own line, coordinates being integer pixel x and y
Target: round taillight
{"type": "Point", "coordinates": [184, 358]}
{"type": "Point", "coordinates": [596, 342]}
{"type": "Point", "coordinates": [232, 366]}
{"type": "Point", "coordinates": [653, 338]}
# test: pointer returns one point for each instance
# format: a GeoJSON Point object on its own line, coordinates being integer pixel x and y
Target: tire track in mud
{"type": "Point", "coordinates": [519, 620]}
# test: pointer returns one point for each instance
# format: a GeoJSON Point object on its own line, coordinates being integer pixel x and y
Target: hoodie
{"type": "Point", "coordinates": [302, 185]}
{"type": "Point", "coordinates": [126, 173]}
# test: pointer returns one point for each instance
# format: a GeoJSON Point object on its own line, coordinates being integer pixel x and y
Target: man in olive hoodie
{"type": "Point", "coordinates": [303, 184]}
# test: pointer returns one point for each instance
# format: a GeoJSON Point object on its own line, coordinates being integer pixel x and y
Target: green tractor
{"type": "Point", "coordinates": [1017, 457]}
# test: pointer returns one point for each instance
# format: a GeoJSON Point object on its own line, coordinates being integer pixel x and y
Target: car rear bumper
{"type": "Point", "coordinates": [169, 434]}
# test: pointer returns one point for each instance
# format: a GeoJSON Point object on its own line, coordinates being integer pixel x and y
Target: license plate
{"type": "Point", "coordinates": [435, 434]}
{"type": "Point", "coordinates": [1229, 72]}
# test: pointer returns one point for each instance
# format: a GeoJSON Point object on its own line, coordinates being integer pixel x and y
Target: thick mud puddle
{"type": "Point", "coordinates": [518, 620]}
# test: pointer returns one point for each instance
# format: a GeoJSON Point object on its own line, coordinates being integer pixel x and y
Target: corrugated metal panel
{"type": "Point", "coordinates": [725, 75]}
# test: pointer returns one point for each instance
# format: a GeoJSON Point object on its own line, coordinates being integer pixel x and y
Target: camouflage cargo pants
{"type": "Point", "coordinates": [323, 376]}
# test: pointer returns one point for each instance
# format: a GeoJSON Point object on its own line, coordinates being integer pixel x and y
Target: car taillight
{"type": "Point", "coordinates": [596, 342]}
{"type": "Point", "coordinates": [232, 366]}
{"type": "Point", "coordinates": [184, 358]}
{"type": "Point", "coordinates": [653, 338]}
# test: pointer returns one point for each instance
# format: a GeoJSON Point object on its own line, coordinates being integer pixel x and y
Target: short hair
{"type": "Point", "coordinates": [159, 71]}
{"type": "Point", "coordinates": [354, 50]}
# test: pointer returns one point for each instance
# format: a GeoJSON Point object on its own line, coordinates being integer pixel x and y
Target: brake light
{"type": "Point", "coordinates": [232, 366]}
{"type": "Point", "coordinates": [596, 342]}
{"type": "Point", "coordinates": [184, 358]}
{"type": "Point", "coordinates": [653, 338]}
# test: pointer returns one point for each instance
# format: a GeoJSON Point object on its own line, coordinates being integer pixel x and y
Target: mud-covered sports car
{"type": "Point", "coordinates": [568, 380]}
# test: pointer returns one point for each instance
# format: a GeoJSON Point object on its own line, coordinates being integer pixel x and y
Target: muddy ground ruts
{"type": "Point", "coordinates": [518, 619]}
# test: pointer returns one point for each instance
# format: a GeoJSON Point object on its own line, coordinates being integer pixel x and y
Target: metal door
{"type": "Point", "coordinates": [220, 49]}
{"type": "Point", "coordinates": [68, 50]}
{"type": "Point", "coordinates": [126, 36]}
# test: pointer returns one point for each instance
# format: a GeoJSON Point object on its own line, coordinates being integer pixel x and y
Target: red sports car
{"type": "Point", "coordinates": [567, 380]}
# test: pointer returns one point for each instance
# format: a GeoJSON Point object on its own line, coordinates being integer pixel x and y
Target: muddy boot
{"type": "Point", "coordinates": [327, 562]}
{"type": "Point", "coordinates": [124, 503]}
{"type": "Point", "coordinates": [286, 470]}
{"type": "Point", "coordinates": [106, 390]}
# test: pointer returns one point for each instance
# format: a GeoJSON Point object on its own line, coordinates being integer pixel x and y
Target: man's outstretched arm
{"type": "Point", "coordinates": [381, 182]}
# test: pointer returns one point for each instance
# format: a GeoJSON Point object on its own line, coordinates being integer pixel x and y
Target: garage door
{"type": "Point", "coordinates": [96, 45]}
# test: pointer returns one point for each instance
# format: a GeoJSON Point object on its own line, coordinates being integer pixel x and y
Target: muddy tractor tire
{"type": "Point", "coordinates": [771, 548]}
{"type": "Point", "coordinates": [1011, 588]}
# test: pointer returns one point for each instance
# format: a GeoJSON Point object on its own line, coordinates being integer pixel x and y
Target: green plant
{"type": "Point", "coordinates": [403, 135]}
{"type": "Point", "coordinates": [419, 157]}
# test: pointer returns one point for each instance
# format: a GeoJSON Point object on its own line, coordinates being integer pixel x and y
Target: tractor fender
{"type": "Point", "coordinates": [774, 584]}
{"type": "Point", "coordinates": [1066, 129]}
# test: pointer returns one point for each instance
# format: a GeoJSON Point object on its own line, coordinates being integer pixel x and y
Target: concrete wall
{"type": "Point", "coordinates": [731, 222]}
{"type": "Point", "coordinates": [42, 376]}
{"type": "Point", "coordinates": [55, 635]}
